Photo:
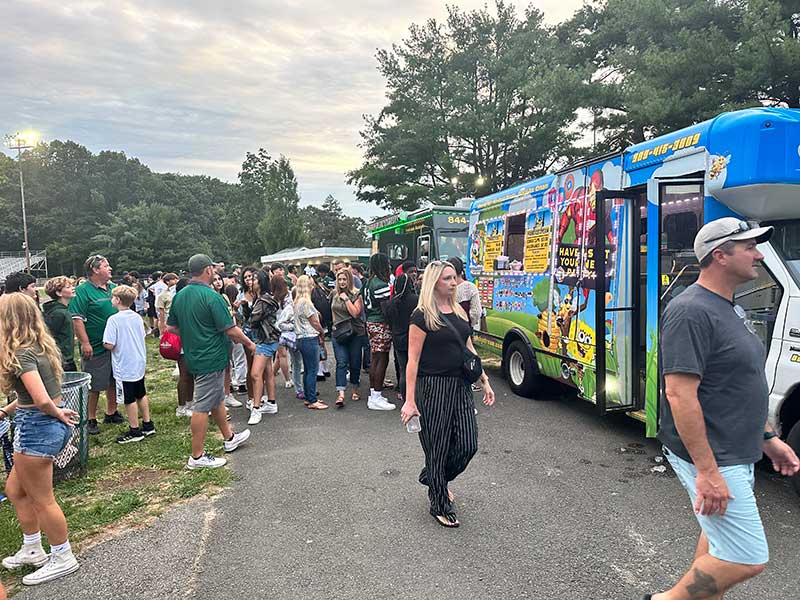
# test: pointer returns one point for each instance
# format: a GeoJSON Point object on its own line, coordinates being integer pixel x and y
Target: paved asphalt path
{"type": "Point", "coordinates": [558, 503]}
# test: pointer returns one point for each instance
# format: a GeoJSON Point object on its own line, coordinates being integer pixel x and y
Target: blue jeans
{"type": "Point", "coordinates": [309, 349]}
{"type": "Point", "coordinates": [348, 356]}
{"type": "Point", "coordinates": [297, 369]}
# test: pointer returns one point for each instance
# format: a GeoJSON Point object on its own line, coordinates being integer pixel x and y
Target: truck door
{"type": "Point", "coordinates": [617, 295]}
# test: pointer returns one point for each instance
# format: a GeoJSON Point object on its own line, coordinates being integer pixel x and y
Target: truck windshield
{"type": "Point", "coordinates": [786, 241]}
{"type": "Point", "coordinates": [452, 243]}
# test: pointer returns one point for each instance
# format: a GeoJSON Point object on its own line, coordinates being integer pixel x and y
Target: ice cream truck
{"type": "Point", "coordinates": [575, 268]}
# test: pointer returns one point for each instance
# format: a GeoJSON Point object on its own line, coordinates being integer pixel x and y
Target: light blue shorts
{"type": "Point", "coordinates": [737, 537]}
{"type": "Point", "coordinates": [267, 348]}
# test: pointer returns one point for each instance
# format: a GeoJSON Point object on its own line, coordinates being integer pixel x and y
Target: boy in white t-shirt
{"type": "Point", "coordinates": [124, 337]}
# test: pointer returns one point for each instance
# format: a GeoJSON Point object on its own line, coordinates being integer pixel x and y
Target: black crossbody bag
{"type": "Point", "coordinates": [471, 367]}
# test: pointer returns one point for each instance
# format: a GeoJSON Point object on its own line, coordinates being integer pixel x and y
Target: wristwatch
{"type": "Point", "coordinates": [768, 435]}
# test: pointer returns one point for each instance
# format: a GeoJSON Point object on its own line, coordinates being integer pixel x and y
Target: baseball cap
{"type": "Point", "coordinates": [199, 262]}
{"type": "Point", "coordinates": [727, 229]}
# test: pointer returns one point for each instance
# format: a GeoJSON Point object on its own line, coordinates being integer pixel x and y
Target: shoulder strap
{"type": "Point", "coordinates": [452, 328]}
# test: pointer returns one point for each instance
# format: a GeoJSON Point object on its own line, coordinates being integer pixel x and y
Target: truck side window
{"type": "Point", "coordinates": [760, 298]}
{"type": "Point", "coordinates": [397, 251]}
{"type": "Point", "coordinates": [515, 238]}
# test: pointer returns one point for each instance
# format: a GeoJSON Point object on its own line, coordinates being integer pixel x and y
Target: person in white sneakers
{"type": "Point", "coordinates": [262, 321]}
{"type": "Point", "coordinates": [30, 365]}
{"type": "Point", "coordinates": [202, 319]}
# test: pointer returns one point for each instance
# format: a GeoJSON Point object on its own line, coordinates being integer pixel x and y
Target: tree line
{"type": "Point", "coordinates": [487, 99]}
{"type": "Point", "coordinates": [79, 203]}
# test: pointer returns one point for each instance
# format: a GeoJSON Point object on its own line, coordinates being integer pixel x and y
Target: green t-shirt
{"type": "Point", "coordinates": [375, 292]}
{"type": "Point", "coordinates": [30, 359]}
{"type": "Point", "coordinates": [202, 317]}
{"type": "Point", "coordinates": [92, 305]}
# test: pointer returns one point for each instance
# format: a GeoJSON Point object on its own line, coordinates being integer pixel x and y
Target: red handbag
{"type": "Point", "coordinates": [170, 346]}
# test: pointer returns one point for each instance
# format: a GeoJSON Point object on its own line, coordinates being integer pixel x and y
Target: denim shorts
{"type": "Point", "coordinates": [267, 348]}
{"type": "Point", "coordinates": [39, 434]}
{"type": "Point", "coordinates": [738, 536]}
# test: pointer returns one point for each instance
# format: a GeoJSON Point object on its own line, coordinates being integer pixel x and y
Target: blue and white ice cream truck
{"type": "Point", "coordinates": [575, 268]}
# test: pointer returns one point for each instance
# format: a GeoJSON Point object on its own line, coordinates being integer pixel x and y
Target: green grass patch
{"type": "Point", "coordinates": [125, 484]}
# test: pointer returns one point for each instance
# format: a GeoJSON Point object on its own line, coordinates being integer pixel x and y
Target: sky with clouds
{"type": "Point", "coordinates": [190, 86]}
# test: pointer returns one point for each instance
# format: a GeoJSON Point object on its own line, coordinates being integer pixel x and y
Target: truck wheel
{"type": "Point", "coordinates": [520, 369]}
{"type": "Point", "coordinates": [793, 439]}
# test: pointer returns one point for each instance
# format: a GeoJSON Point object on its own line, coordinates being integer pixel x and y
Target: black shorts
{"type": "Point", "coordinates": [132, 391]}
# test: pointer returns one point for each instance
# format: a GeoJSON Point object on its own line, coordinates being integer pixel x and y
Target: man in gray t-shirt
{"type": "Point", "coordinates": [714, 420]}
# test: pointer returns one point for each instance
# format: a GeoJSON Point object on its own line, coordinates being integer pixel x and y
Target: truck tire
{"type": "Point", "coordinates": [520, 369]}
{"type": "Point", "coordinates": [793, 439]}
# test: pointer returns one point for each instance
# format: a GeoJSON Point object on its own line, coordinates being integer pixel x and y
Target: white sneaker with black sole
{"type": "Point", "coordinates": [28, 554]}
{"type": "Point", "coordinates": [255, 417]}
{"type": "Point", "coordinates": [60, 564]}
{"type": "Point", "coordinates": [380, 403]}
{"type": "Point", "coordinates": [206, 461]}
{"type": "Point", "coordinates": [238, 439]}
{"type": "Point", "coordinates": [232, 402]}
{"type": "Point", "coordinates": [268, 408]}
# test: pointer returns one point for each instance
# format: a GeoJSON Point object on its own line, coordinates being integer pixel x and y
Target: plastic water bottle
{"type": "Point", "coordinates": [413, 425]}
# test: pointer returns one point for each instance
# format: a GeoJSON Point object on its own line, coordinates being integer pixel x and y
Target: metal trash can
{"type": "Point", "coordinates": [75, 395]}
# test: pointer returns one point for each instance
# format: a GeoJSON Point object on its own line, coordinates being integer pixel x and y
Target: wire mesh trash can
{"type": "Point", "coordinates": [75, 395]}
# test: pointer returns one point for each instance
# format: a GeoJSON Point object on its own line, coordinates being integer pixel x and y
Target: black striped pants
{"type": "Point", "coordinates": [449, 435]}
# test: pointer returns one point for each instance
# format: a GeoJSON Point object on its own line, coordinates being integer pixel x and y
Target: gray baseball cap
{"type": "Point", "coordinates": [727, 229]}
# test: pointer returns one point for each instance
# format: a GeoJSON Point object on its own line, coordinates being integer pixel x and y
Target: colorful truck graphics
{"type": "Point", "coordinates": [575, 268]}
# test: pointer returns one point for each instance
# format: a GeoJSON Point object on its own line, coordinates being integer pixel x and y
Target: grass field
{"type": "Point", "coordinates": [124, 485]}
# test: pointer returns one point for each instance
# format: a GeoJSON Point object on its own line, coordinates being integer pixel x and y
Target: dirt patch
{"type": "Point", "coordinates": [131, 479]}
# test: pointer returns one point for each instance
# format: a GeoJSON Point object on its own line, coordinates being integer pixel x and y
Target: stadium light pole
{"type": "Point", "coordinates": [20, 142]}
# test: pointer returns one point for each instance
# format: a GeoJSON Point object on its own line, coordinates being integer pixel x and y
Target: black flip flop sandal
{"type": "Point", "coordinates": [449, 520]}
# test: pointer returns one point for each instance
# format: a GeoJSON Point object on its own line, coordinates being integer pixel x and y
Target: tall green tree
{"type": "Point", "coordinates": [279, 226]}
{"type": "Point", "coordinates": [475, 104]}
{"type": "Point", "coordinates": [653, 66]}
{"type": "Point", "coordinates": [330, 226]}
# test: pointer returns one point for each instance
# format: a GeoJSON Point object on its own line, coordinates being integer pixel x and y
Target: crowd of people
{"type": "Point", "coordinates": [230, 333]}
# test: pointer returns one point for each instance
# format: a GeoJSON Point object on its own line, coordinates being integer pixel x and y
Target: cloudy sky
{"type": "Point", "coordinates": [190, 86]}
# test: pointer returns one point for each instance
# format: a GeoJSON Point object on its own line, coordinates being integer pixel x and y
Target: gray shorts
{"type": "Point", "coordinates": [209, 391]}
{"type": "Point", "coordinates": [99, 367]}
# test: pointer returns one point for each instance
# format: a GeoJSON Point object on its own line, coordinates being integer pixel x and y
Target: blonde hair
{"type": "Point", "coordinates": [302, 290]}
{"type": "Point", "coordinates": [22, 326]}
{"type": "Point", "coordinates": [351, 288]}
{"type": "Point", "coordinates": [125, 294]}
{"type": "Point", "coordinates": [427, 296]}
{"type": "Point", "coordinates": [56, 284]}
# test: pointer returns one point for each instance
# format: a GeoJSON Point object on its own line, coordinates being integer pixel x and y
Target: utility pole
{"type": "Point", "coordinates": [20, 142]}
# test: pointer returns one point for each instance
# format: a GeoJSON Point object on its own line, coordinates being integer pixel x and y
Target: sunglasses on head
{"type": "Point", "coordinates": [743, 227]}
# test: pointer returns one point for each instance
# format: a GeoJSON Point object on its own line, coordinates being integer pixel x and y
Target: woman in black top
{"type": "Point", "coordinates": [398, 313]}
{"type": "Point", "coordinates": [437, 391]}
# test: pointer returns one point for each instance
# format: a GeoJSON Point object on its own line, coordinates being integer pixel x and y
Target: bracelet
{"type": "Point", "coordinates": [768, 435]}
{"type": "Point", "coordinates": [4, 412]}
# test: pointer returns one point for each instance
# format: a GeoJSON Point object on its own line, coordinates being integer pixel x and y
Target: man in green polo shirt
{"type": "Point", "coordinates": [200, 316]}
{"type": "Point", "coordinates": [91, 307]}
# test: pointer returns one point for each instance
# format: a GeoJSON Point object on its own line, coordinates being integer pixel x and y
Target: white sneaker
{"type": "Point", "coordinates": [249, 404]}
{"type": "Point", "coordinates": [288, 385]}
{"type": "Point", "coordinates": [232, 402]}
{"type": "Point", "coordinates": [206, 461]}
{"type": "Point", "coordinates": [268, 408]}
{"type": "Point", "coordinates": [181, 411]}
{"type": "Point", "coordinates": [238, 439]}
{"type": "Point", "coordinates": [28, 554]}
{"type": "Point", "coordinates": [380, 403]}
{"type": "Point", "coordinates": [60, 564]}
{"type": "Point", "coordinates": [176, 372]}
{"type": "Point", "coordinates": [255, 417]}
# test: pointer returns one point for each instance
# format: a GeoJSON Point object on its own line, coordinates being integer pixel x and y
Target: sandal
{"type": "Point", "coordinates": [317, 405]}
{"type": "Point", "coordinates": [355, 397]}
{"type": "Point", "coordinates": [340, 400]}
{"type": "Point", "coordinates": [449, 520]}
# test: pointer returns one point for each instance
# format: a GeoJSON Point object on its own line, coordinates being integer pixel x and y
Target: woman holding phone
{"type": "Point", "coordinates": [30, 366]}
